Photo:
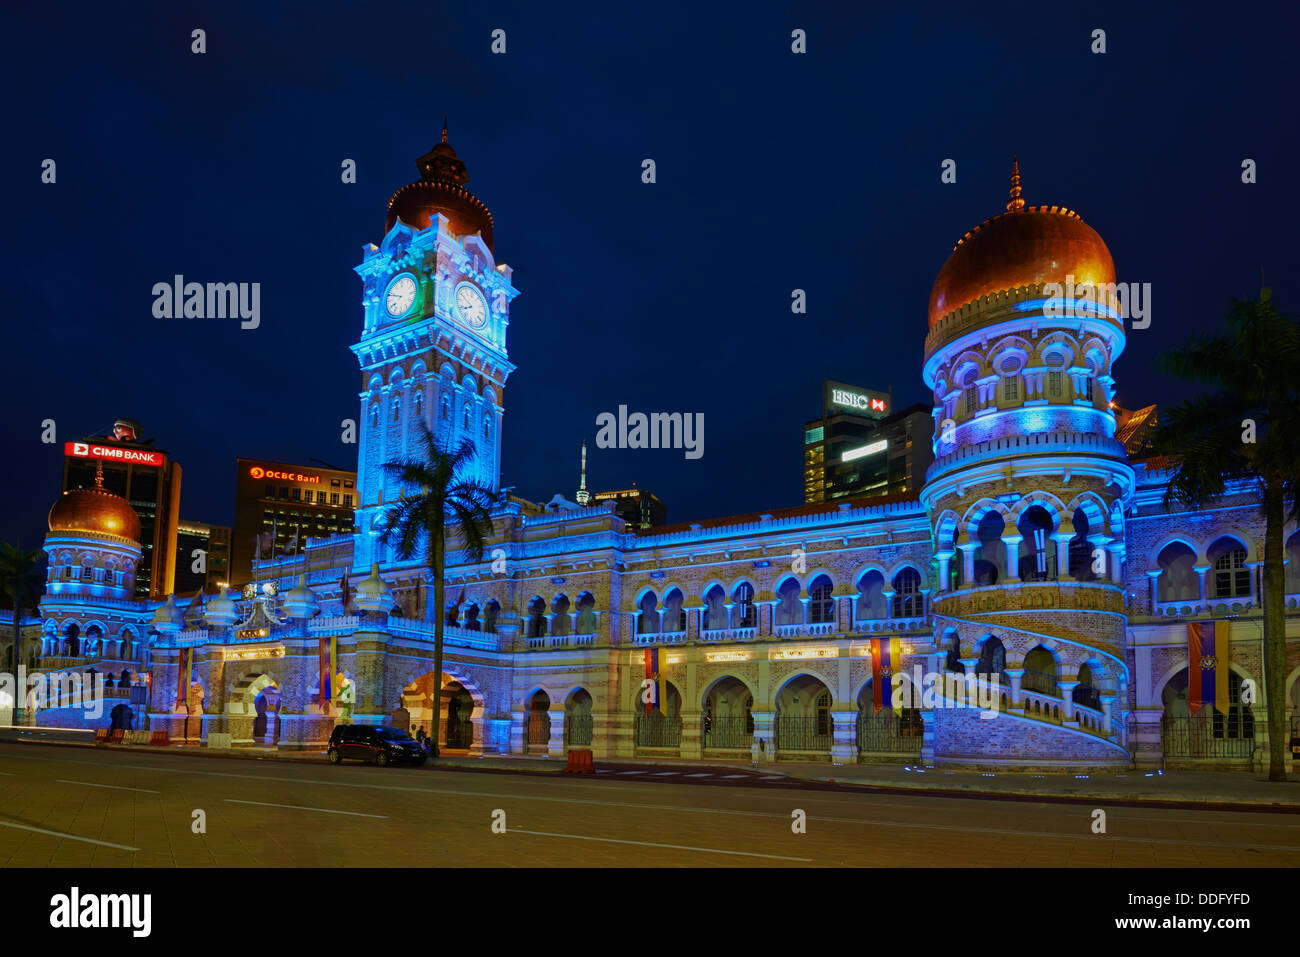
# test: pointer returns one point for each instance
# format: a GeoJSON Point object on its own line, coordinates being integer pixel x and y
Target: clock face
{"type": "Point", "coordinates": [471, 305]}
{"type": "Point", "coordinates": [400, 295]}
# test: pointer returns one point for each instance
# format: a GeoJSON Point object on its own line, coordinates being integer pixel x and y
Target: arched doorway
{"type": "Point", "coordinates": [803, 716]}
{"type": "Point", "coordinates": [578, 722]}
{"type": "Point", "coordinates": [1209, 733]}
{"type": "Point", "coordinates": [266, 718]}
{"type": "Point", "coordinates": [537, 724]}
{"type": "Point", "coordinates": [728, 722]}
{"type": "Point", "coordinates": [459, 706]}
{"type": "Point", "coordinates": [656, 727]}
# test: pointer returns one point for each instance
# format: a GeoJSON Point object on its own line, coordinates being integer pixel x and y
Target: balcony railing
{"type": "Point", "coordinates": [661, 638]}
{"type": "Point", "coordinates": [728, 634]}
{"type": "Point", "coordinates": [872, 625]}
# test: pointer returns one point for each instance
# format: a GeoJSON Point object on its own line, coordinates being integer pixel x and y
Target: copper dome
{"type": "Point", "coordinates": [96, 511]}
{"type": "Point", "coordinates": [1024, 245]}
{"type": "Point", "coordinates": [440, 189]}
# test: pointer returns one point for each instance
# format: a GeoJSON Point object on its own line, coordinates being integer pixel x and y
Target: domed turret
{"type": "Point", "coordinates": [300, 601]}
{"type": "Point", "coordinates": [221, 611]}
{"type": "Point", "coordinates": [96, 511]}
{"type": "Point", "coordinates": [373, 593]}
{"type": "Point", "coordinates": [441, 189]}
{"type": "Point", "coordinates": [1021, 247]}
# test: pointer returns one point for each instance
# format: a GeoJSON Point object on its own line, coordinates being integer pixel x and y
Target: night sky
{"type": "Point", "coordinates": [775, 171]}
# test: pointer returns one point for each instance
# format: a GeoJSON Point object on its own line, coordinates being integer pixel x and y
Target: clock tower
{"type": "Point", "coordinates": [436, 305]}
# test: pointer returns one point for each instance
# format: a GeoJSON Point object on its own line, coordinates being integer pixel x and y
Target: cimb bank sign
{"type": "Point", "coordinates": [850, 398]}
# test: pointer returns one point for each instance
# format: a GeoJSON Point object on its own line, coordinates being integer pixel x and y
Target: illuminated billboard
{"type": "Point", "coordinates": [850, 398]}
{"type": "Point", "coordinates": [859, 452]}
{"type": "Point", "coordinates": [113, 453]}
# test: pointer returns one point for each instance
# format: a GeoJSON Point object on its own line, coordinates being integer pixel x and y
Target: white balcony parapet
{"type": "Point", "coordinates": [661, 638]}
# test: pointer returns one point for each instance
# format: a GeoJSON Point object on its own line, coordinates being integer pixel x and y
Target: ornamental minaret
{"type": "Point", "coordinates": [433, 346]}
{"type": "Point", "coordinates": [1029, 485]}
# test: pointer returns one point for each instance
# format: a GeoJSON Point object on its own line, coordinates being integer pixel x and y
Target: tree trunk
{"type": "Point", "coordinates": [437, 550]}
{"type": "Point", "coordinates": [1275, 631]}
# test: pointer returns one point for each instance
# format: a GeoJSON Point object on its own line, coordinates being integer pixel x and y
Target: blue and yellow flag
{"type": "Point", "coordinates": [1207, 666]}
{"type": "Point", "coordinates": [886, 659]}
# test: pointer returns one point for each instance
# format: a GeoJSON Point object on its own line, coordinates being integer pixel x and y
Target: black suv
{"type": "Point", "coordinates": [383, 746]}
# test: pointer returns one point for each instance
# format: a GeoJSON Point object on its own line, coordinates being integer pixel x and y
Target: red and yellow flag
{"type": "Point", "coordinates": [886, 659]}
{"type": "Point", "coordinates": [1207, 666]}
{"type": "Point", "coordinates": [654, 671]}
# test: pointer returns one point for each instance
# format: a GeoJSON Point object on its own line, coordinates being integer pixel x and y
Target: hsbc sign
{"type": "Point", "coordinates": [865, 401]}
{"type": "Point", "coordinates": [113, 453]}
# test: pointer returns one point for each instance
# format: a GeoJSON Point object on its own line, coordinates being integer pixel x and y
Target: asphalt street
{"type": "Point", "coordinates": [84, 807]}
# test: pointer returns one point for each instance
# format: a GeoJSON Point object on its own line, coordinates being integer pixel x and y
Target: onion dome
{"type": "Point", "coordinates": [168, 617]}
{"type": "Point", "coordinates": [1023, 246]}
{"type": "Point", "coordinates": [97, 511]}
{"type": "Point", "coordinates": [300, 601]}
{"type": "Point", "coordinates": [373, 593]}
{"type": "Point", "coordinates": [221, 611]}
{"type": "Point", "coordinates": [440, 189]}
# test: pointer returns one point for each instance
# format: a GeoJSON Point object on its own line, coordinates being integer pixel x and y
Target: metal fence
{"type": "Point", "coordinates": [656, 730]}
{"type": "Point", "coordinates": [804, 733]}
{"type": "Point", "coordinates": [900, 732]}
{"type": "Point", "coordinates": [734, 732]}
{"type": "Point", "coordinates": [577, 729]}
{"type": "Point", "coordinates": [1039, 681]}
{"type": "Point", "coordinates": [1209, 734]}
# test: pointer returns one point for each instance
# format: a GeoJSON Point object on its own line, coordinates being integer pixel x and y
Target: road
{"type": "Point", "coordinates": [84, 807]}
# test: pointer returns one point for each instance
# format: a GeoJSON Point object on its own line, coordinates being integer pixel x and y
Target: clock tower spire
{"type": "Point", "coordinates": [436, 306]}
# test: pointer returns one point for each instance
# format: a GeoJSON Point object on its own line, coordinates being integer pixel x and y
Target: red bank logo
{"type": "Point", "coordinates": [256, 472]}
{"type": "Point", "coordinates": [112, 453]}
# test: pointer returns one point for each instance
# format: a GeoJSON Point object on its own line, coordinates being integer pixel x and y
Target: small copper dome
{"type": "Point", "coordinates": [97, 511]}
{"type": "Point", "coordinates": [440, 189]}
{"type": "Point", "coordinates": [1024, 245]}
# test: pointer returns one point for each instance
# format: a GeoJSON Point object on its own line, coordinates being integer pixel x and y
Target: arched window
{"type": "Point", "coordinates": [1231, 576]}
{"type": "Point", "coordinates": [465, 417]}
{"type": "Point", "coordinates": [374, 413]}
{"type": "Point", "coordinates": [397, 407]}
{"type": "Point", "coordinates": [744, 615]}
{"type": "Point", "coordinates": [487, 427]}
{"type": "Point", "coordinates": [1037, 560]}
{"type": "Point", "coordinates": [908, 600]}
{"type": "Point", "coordinates": [444, 408]}
{"type": "Point", "coordinates": [821, 607]}
{"type": "Point", "coordinates": [419, 402]}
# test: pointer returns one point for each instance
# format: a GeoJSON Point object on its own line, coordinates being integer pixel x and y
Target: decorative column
{"type": "Point", "coordinates": [804, 599]}
{"type": "Point", "coordinates": [1062, 539]}
{"type": "Point", "coordinates": [944, 558]}
{"type": "Point", "coordinates": [518, 729]}
{"type": "Point", "coordinates": [729, 605]}
{"type": "Point", "coordinates": [765, 599]}
{"type": "Point", "coordinates": [1254, 581]}
{"type": "Point", "coordinates": [888, 594]}
{"type": "Point", "coordinates": [1067, 699]}
{"type": "Point", "coordinates": [1015, 674]}
{"type": "Point", "coordinates": [844, 749]}
{"type": "Point", "coordinates": [1012, 545]}
{"type": "Point", "coordinates": [1153, 588]}
{"type": "Point", "coordinates": [1200, 574]}
{"type": "Point", "coordinates": [1144, 742]}
{"type": "Point", "coordinates": [764, 736]}
{"type": "Point", "coordinates": [1107, 706]}
{"type": "Point", "coordinates": [557, 714]}
{"type": "Point", "coordinates": [968, 562]}
{"type": "Point", "coordinates": [694, 611]}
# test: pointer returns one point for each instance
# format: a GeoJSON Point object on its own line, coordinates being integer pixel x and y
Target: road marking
{"type": "Point", "coordinates": [732, 777]}
{"type": "Point", "coordinates": [675, 847]}
{"type": "Point", "coordinates": [660, 774]}
{"type": "Point", "coordinates": [67, 837]}
{"type": "Point", "coordinates": [114, 787]}
{"type": "Point", "coordinates": [633, 772]}
{"type": "Point", "coordinates": [298, 807]}
{"type": "Point", "coordinates": [856, 799]}
{"type": "Point", "coordinates": [703, 774]}
{"type": "Point", "coordinates": [774, 777]}
{"type": "Point", "coordinates": [8, 774]}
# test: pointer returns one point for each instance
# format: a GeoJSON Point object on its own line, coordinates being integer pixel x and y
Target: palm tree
{"type": "Point", "coordinates": [444, 499]}
{"type": "Point", "coordinates": [21, 584]}
{"type": "Point", "coordinates": [1246, 429]}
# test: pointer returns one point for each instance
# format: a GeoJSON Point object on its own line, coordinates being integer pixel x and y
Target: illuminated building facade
{"type": "Point", "coordinates": [279, 506]}
{"type": "Point", "coordinates": [143, 475]}
{"type": "Point", "coordinates": [202, 556]}
{"type": "Point", "coordinates": [862, 447]}
{"type": "Point", "coordinates": [1038, 556]}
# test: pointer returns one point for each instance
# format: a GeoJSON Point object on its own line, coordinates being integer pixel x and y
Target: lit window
{"type": "Point", "coordinates": [1011, 388]}
{"type": "Point", "coordinates": [1054, 385]}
